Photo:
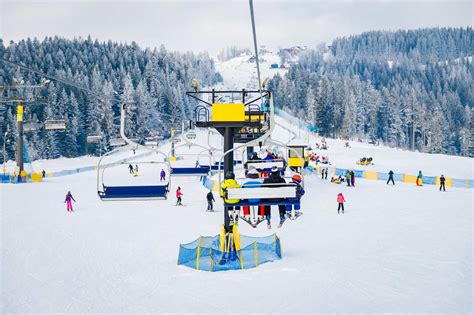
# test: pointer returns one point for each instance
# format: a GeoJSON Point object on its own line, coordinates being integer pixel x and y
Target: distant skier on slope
{"type": "Point", "coordinates": [442, 181]}
{"type": "Point", "coordinates": [68, 201]}
{"type": "Point", "coordinates": [348, 178]}
{"type": "Point", "coordinates": [210, 200]}
{"type": "Point", "coordinates": [130, 168]}
{"type": "Point", "coordinates": [390, 177]}
{"type": "Point", "coordinates": [419, 179]}
{"type": "Point", "coordinates": [340, 202]}
{"type": "Point", "coordinates": [178, 196]}
{"type": "Point", "coordinates": [135, 171]}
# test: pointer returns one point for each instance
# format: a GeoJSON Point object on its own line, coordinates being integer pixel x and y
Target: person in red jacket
{"type": "Point", "coordinates": [340, 201]}
{"type": "Point", "coordinates": [178, 196]}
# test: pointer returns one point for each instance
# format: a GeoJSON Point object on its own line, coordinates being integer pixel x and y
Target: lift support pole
{"type": "Point", "coordinates": [228, 167]}
{"type": "Point", "coordinates": [19, 151]}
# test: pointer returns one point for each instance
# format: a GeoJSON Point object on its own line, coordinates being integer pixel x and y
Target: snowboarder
{"type": "Point", "coordinates": [442, 181]}
{"type": "Point", "coordinates": [210, 199]}
{"type": "Point", "coordinates": [178, 196]}
{"type": "Point", "coordinates": [275, 178]}
{"type": "Point", "coordinates": [130, 168]}
{"type": "Point", "coordinates": [419, 179]}
{"type": "Point", "coordinates": [352, 178]}
{"type": "Point", "coordinates": [232, 211]}
{"type": "Point", "coordinates": [68, 201]}
{"type": "Point", "coordinates": [390, 177]}
{"type": "Point", "coordinates": [340, 201]}
{"type": "Point", "coordinates": [162, 175]}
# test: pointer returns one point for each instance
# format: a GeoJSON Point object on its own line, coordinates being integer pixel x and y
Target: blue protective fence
{"type": "Point", "coordinates": [295, 121]}
{"type": "Point", "coordinates": [398, 177]}
{"type": "Point", "coordinates": [205, 254]}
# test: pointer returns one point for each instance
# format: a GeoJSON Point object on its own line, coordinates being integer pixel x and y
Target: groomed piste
{"type": "Point", "coordinates": [208, 253]}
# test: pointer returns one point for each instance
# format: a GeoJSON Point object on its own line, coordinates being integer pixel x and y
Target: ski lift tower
{"type": "Point", "coordinates": [22, 95]}
{"type": "Point", "coordinates": [245, 118]}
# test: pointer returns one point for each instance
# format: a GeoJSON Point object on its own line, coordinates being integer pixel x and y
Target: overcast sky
{"type": "Point", "coordinates": [211, 25]}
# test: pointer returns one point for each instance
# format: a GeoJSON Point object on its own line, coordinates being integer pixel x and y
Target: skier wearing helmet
{"type": "Point", "coordinates": [296, 179]}
{"type": "Point", "coordinates": [230, 183]}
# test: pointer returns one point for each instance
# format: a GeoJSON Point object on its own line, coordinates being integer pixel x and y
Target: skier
{"type": "Point", "coordinates": [322, 173]}
{"type": "Point", "coordinates": [178, 196]}
{"type": "Point", "coordinates": [348, 178]}
{"type": "Point", "coordinates": [273, 179]}
{"type": "Point", "coordinates": [340, 201]}
{"type": "Point", "coordinates": [442, 181]}
{"type": "Point", "coordinates": [162, 175]}
{"type": "Point", "coordinates": [352, 178]}
{"type": "Point", "coordinates": [130, 168]}
{"type": "Point", "coordinates": [210, 199]}
{"type": "Point", "coordinates": [253, 181]}
{"type": "Point", "coordinates": [390, 177]}
{"type": "Point", "coordinates": [43, 173]}
{"type": "Point", "coordinates": [135, 171]}
{"type": "Point", "coordinates": [296, 179]}
{"type": "Point", "coordinates": [326, 174]}
{"type": "Point", "coordinates": [68, 201]}
{"type": "Point", "coordinates": [230, 182]}
{"type": "Point", "coordinates": [419, 179]}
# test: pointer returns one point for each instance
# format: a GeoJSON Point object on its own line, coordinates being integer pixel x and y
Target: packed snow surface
{"type": "Point", "coordinates": [396, 248]}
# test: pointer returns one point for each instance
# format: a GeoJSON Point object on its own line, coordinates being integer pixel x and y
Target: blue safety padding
{"type": "Point", "coordinates": [340, 172]}
{"type": "Point", "coordinates": [396, 176]}
{"type": "Point", "coordinates": [429, 180]}
{"type": "Point", "coordinates": [358, 173]}
{"type": "Point", "coordinates": [265, 202]}
{"type": "Point", "coordinates": [5, 178]}
{"type": "Point", "coordinates": [124, 192]}
{"type": "Point", "coordinates": [202, 170]}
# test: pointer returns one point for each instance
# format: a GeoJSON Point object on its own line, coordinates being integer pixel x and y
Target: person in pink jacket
{"type": "Point", "coordinates": [178, 196]}
{"type": "Point", "coordinates": [340, 201]}
{"type": "Point", "coordinates": [68, 201]}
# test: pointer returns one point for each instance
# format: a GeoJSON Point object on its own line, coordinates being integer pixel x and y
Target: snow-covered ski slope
{"type": "Point", "coordinates": [238, 73]}
{"type": "Point", "coordinates": [396, 249]}
{"type": "Point", "coordinates": [402, 248]}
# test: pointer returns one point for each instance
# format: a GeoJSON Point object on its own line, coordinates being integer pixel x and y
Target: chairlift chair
{"type": "Point", "coordinates": [153, 191]}
{"type": "Point", "coordinates": [55, 125]}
